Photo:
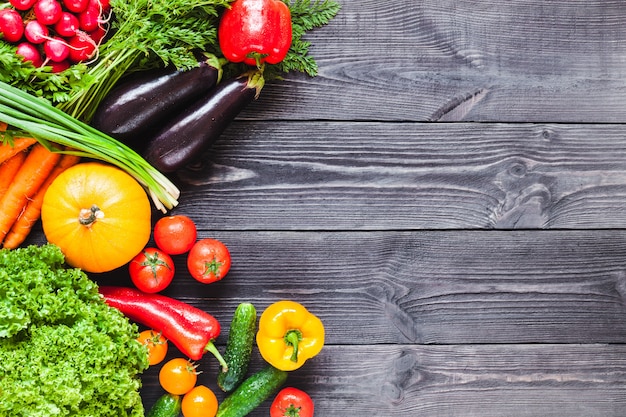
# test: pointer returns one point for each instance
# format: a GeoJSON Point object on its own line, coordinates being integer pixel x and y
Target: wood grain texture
{"type": "Point", "coordinates": [429, 287]}
{"type": "Point", "coordinates": [376, 176]}
{"type": "Point", "coordinates": [522, 61]}
{"type": "Point", "coordinates": [435, 381]}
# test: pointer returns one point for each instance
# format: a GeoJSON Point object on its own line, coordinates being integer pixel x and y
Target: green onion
{"type": "Point", "coordinates": [51, 126]}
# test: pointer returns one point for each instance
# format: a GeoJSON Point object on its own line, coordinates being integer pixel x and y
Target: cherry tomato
{"type": "Point", "coordinates": [156, 344]}
{"type": "Point", "coordinates": [176, 234]}
{"type": "Point", "coordinates": [208, 260]}
{"type": "Point", "coordinates": [152, 270]}
{"type": "Point", "coordinates": [178, 376]}
{"type": "Point", "coordinates": [292, 402]}
{"type": "Point", "coordinates": [199, 402]}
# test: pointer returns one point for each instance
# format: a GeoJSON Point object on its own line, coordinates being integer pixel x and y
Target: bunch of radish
{"type": "Point", "coordinates": [55, 33]}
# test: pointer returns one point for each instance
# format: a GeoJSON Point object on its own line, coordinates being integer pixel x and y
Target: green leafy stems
{"type": "Point", "coordinates": [58, 130]}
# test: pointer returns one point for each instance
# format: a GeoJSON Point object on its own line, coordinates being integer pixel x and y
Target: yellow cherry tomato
{"type": "Point", "coordinates": [199, 402]}
{"type": "Point", "coordinates": [156, 344]}
{"type": "Point", "coordinates": [178, 376]}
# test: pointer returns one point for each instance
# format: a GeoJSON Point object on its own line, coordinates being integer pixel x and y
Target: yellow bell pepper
{"type": "Point", "coordinates": [289, 335]}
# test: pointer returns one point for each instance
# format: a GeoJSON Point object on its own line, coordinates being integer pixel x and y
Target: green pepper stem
{"type": "Point", "coordinates": [210, 347]}
{"type": "Point", "coordinates": [293, 338]}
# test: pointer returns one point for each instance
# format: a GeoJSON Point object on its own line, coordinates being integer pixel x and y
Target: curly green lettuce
{"type": "Point", "coordinates": [63, 351]}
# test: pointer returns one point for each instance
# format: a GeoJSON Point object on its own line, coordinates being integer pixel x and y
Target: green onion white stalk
{"type": "Point", "coordinates": [51, 126]}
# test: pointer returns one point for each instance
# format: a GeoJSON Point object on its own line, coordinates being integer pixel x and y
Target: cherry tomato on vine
{"type": "Point", "coordinates": [292, 402]}
{"type": "Point", "coordinates": [208, 260]}
{"type": "Point", "coordinates": [152, 270]}
{"type": "Point", "coordinates": [178, 376]}
{"type": "Point", "coordinates": [156, 344]}
{"type": "Point", "coordinates": [199, 402]}
{"type": "Point", "coordinates": [175, 234]}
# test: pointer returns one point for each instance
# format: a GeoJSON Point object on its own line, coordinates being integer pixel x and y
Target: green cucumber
{"type": "Point", "coordinates": [168, 405]}
{"type": "Point", "coordinates": [238, 347]}
{"type": "Point", "coordinates": [252, 392]}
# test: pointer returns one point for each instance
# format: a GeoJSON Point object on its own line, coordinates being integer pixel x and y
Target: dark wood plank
{"type": "Point", "coordinates": [376, 176]}
{"type": "Point", "coordinates": [437, 323]}
{"type": "Point", "coordinates": [434, 381]}
{"type": "Point", "coordinates": [428, 287]}
{"type": "Point", "coordinates": [434, 60]}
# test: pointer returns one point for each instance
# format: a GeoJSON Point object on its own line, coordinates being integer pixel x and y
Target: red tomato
{"type": "Point", "coordinates": [292, 402]}
{"type": "Point", "coordinates": [152, 270]}
{"type": "Point", "coordinates": [208, 260]}
{"type": "Point", "coordinates": [175, 234]}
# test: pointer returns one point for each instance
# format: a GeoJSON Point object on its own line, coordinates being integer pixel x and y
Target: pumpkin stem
{"type": "Point", "coordinates": [87, 217]}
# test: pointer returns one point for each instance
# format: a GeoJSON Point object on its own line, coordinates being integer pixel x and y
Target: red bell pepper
{"type": "Point", "coordinates": [255, 31]}
{"type": "Point", "coordinates": [190, 329]}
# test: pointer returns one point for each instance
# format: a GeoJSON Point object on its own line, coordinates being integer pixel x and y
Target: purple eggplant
{"type": "Point", "coordinates": [145, 100]}
{"type": "Point", "coordinates": [198, 126]}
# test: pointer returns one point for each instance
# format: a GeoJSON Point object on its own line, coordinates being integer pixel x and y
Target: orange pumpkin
{"type": "Point", "coordinates": [98, 215]}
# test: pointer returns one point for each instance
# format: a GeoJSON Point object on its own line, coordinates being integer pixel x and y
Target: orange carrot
{"type": "Point", "coordinates": [31, 213]}
{"type": "Point", "coordinates": [33, 172]}
{"type": "Point", "coordinates": [3, 127]}
{"type": "Point", "coordinates": [8, 169]}
{"type": "Point", "coordinates": [19, 144]}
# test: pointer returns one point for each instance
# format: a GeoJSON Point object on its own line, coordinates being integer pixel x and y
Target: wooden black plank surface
{"type": "Point", "coordinates": [449, 196]}
{"type": "Point", "coordinates": [489, 321]}
{"type": "Point", "coordinates": [430, 287]}
{"type": "Point", "coordinates": [377, 176]}
{"type": "Point", "coordinates": [464, 380]}
{"type": "Point", "coordinates": [522, 61]}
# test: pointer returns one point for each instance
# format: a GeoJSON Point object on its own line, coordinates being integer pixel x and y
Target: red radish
{"type": "Point", "coordinates": [98, 34]}
{"type": "Point", "coordinates": [59, 66]}
{"type": "Point", "coordinates": [75, 6]}
{"type": "Point", "coordinates": [67, 25]}
{"type": "Point", "coordinates": [82, 47]}
{"type": "Point", "coordinates": [30, 53]}
{"type": "Point", "coordinates": [48, 12]}
{"type": "Point", "coordinates": [11, 25]}
{"type": "Point", "coordinates": [102, 5]}
{"type": "Point", "coordinates": [22, 4]}
{"type": "Point", "coordinates": [89, 19]}
{"type": "Point", "coordinates": [35, 32]}
{"type": "Point", "coordinates": [56, 49]}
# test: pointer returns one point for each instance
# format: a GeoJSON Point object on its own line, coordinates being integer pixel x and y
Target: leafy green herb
{"type": "Point", "coordinates": [63, 351]}
{"type": "Point", "coordinates": [40, 82]}
{"type": "Point", "coordinates": [306, 15]}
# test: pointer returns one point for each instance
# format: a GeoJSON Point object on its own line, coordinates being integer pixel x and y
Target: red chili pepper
{"type": "Point", "coordinates": [190, 329]}
{"type": "Point", "coordinates": [255, 31]}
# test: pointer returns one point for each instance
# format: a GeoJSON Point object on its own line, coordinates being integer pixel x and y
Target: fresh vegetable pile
{"type": "Point", "coordinates": [139, 89]}
{"type": "Point", "coordinates": [55, 106]}
{"type": "Point", "coordinates": [63, 351]}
